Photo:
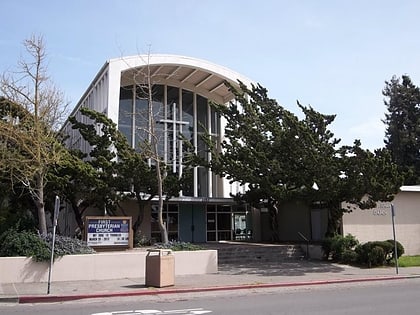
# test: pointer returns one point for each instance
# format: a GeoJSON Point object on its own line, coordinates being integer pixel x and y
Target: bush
{"type": "Point", "coordinates": [375, 254]}
{"type": "Point", "coordinates": [347, 250]}
{"type": "Point", "coordinates": [140, 240]}
{"type": "Point", "coordinates": [400, 249]}
{"type": "Point", "coordinates": [24, 243]}
{"type": "Point", "coordinates": [67, 246]}
{"type": "Point", "coordinates": [336, 246]}
{"type": "Point", "coordinates": [178, 246]}
{"type": "Point", "coordinates": [349, 256]}
{"type": "Point", "coordinates": [29, 244]}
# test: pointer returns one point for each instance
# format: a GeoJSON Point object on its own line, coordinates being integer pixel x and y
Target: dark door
{"type": "Point", "coordinates": [192, 223]}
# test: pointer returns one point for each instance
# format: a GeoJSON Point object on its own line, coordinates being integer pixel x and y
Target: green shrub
{"type": "Point", "coordinates": [377, 256]}
{"type": "Point", "coordinates": [178, 246]}
{"type": "Point", "coordinates": [400, 250]}
{"type": "Point", "coordinates": [67, 246]}
{"type": "Point", "coordinates": [373, 254]}
{"type": "Point", "coordinates": [24, 243]}
{"type": "Point", "coordinates": [336, 246]}
{"type": "Point", "coordinates": [140, 240]}
{"type": "Point", "coordinates": [349, 256]}
{"type": "Point", "coordinates": [29, 244]}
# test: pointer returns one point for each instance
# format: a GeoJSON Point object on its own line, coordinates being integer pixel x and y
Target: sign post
{"type": "Point", "coordinates": [56, 212]}
{"type": "Point", "coordinates": [395, 240]}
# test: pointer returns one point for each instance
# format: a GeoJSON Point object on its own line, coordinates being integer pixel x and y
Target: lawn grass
{"type": "Point", "coordinates": [409, 261]}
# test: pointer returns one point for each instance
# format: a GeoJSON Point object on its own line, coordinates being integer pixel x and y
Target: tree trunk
{"type": "Point", "coordinates": [78, 216]}
{"type": "Point", "coordinates": [156, 157]}
{"type": "Point", "coordinates": [335, 215]}
{"type": "Point", "coordinates": [39, 191]}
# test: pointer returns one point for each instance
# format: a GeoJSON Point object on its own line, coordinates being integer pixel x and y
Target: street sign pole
{"type": "Point", "coordinates": [395, 239]}
{"type": "Point", "coordinates": [56, 211]}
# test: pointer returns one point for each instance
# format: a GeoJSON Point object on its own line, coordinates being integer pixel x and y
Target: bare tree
{"type": "Point", "coordinates": [155, 155]}
{"type": "Point", "coordinates": [32, 147]}
{"type": "Point", "coordinates": [151, 138]}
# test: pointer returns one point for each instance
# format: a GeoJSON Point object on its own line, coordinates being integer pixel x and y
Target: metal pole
{"type": "Point", "coordinates": [395, 240]}
{"type": "Point", "coordinates": [56, 210]}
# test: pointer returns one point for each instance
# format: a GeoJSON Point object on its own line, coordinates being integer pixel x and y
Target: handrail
{"type": "Point", "coordinates": [307, 243]}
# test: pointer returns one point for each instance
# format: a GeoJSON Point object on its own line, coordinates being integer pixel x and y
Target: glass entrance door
{"type": "Point", "coordinates": [219, 223]}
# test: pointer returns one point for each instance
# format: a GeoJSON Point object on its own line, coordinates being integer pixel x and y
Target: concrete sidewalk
{"type": "Point", "coordinates": [229, 277]}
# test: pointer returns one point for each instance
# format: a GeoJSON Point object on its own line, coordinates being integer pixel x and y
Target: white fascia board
{"type": "Point", "coordinates": [413, 188]}
{"type": "Point", "coordinates": [126, 63]}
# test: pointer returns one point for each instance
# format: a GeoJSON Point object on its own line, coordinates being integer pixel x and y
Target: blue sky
{"type": "Point", "coordinates": [334, 55]}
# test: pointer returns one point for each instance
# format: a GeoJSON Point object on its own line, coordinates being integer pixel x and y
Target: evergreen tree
{"type": "Point", "coordinates": [402, 135]}
{"type": "Point", "coordinates": [112, 172]}
{"type": "Point", "coordinates": [279, 157]}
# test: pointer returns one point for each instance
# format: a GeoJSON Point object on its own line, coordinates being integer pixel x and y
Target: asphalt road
{"type": "Point", "coordinates": [388, 297]}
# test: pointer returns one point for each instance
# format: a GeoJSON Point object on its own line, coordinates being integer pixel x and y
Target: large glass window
{"type": "Point", "coordinates": [182, 112]}
{"type": "Point", "coordinates": [172, 99]}
{"type": "Point", "coordinates": [125, 114]}
{"type": "Point", "coordinates": [187, 114]}
{"type": "Point", "coordinates": [170, 219]}
{"type": "Point", "coordinates": [219, 223]}
{"type": "Point", "coordinates": [141, 117]}
{"type": "Point", "coordinates": [215, 121]}
{"type": "Point", "coordinates": [158, 115]}
{"type": "Point", "coordinates": [202, 113]}
{"type": "Point", "coordinates": [203, 187]}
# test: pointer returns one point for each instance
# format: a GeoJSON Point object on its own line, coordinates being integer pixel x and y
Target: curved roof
{"type": "Point", "coordinates": [198, 75]}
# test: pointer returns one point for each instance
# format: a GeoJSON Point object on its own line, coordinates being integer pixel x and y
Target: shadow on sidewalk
{"type": "Point", "coordinates": [283, 268]}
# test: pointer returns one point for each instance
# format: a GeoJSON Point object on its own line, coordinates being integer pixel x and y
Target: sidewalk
{"type": "Point", "coordinates": [229, 277]}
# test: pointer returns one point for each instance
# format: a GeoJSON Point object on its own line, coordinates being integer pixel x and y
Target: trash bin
{"type": "Point", "coordinates": [160, 268]}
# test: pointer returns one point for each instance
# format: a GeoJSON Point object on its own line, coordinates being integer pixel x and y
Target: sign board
{"type": "Point", "coordinates": [108, 232]}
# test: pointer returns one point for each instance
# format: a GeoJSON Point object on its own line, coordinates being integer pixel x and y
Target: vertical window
{"type": "Point", "coordinates": [172, 115]}
{"type": "Point", "coordinates": [170, 219]}
{"type": "Point", "coordinates": [125, 114]}
{"type": "Point", "coordinates": [187, 114]}
{"type": "Point", "coordinates": [203, 186]}
{"type": "Point", "coordinates": [158, 114]}
{"type": "Point", "coordinates": [141, 116]}
{"type": "Point", "coordinates": [215, 121]}
{"type": "Point", "coordinates": [202, 113]}
{"type": "Point", "coordinates": [219, 222]}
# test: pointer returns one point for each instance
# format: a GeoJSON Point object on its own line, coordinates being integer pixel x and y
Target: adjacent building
{"type": "Point", "coordinates": [376, 224]}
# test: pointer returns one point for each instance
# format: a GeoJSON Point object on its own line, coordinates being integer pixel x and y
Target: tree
{"type": "Point", "coordinates": [279, 157]}
{"type": "Point", "coordinates": [402, 135]}
{"type": "Point", "coordinates": [151, 139]}
{"type": "Point", "coordinates": [112, 172]}
{"type": "Point", "coordinates": [32, 148]}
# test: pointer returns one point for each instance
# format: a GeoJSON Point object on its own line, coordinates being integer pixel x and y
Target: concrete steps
{"type": "Point", "coordinates": [244, 253]}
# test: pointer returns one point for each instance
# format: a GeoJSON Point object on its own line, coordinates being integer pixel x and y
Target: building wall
{"type": "Point", "coordinates": [376, 224]}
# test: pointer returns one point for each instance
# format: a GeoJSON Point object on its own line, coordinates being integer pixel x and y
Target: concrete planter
{"type": "Point", "coordinates": [109, 265]}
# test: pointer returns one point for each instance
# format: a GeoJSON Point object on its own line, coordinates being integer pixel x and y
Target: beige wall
{"type": "Point", "coordinates": [112, 265]}
{"type": "Point", "coordinates": [376, 224]}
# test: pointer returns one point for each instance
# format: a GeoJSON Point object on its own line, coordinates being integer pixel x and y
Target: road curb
{"type": "Point", "coordinates": [62, 298]}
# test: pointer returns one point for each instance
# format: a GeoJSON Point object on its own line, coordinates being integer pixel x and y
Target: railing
{"type": "Point", "coordinates": [307, 244]}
